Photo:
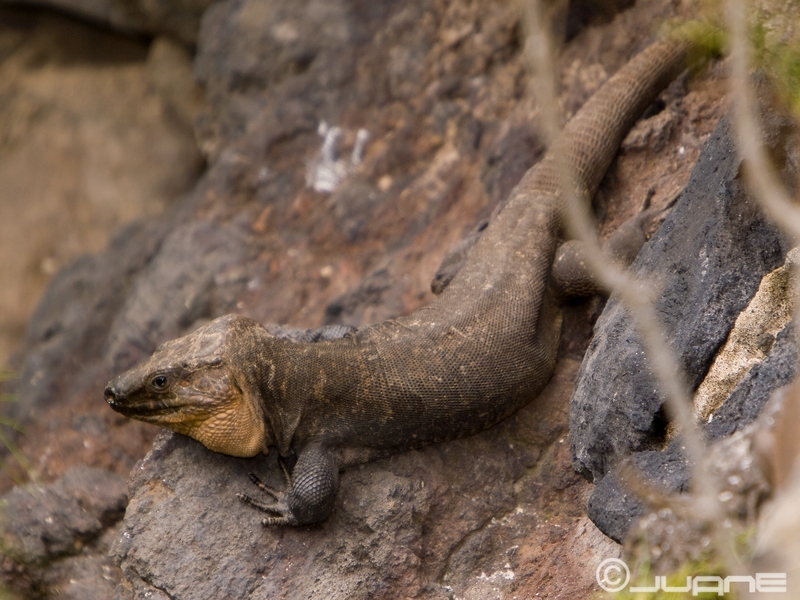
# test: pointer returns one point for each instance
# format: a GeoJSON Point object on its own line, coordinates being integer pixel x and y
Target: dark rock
{"type": "Point", "coordinates": [614, 506]}
{"type": "Point", "coordinates": [284, 49]}
{"type": "Point", "coordinates": [42, 523]}
{"type": "Point", "coordinates": [512, 155]}
{"type": "Point", "coordinates": [354, 207]}
{"type": "Point", "coordinates": [584, 12]}
{"type": "Point", "coordinates": [708, 258]}
{"type": "Point", "coordinates": [198, 521]}
{"type": "Point", "coordinates": [203, 265]}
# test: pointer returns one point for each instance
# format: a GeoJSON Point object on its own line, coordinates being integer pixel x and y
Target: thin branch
{"type": "Point", "coordinates": [635, 296]}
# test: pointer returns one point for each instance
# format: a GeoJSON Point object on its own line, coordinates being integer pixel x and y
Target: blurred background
{"type": "Point", "coordinates": [96, 129]}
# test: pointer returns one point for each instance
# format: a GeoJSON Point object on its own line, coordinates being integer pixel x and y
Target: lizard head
{"type": "Point", "coordinates": [190, 385]}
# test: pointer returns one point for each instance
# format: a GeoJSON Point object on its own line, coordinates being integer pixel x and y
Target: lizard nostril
{"type": "Point", "coordinates": [110, 395]}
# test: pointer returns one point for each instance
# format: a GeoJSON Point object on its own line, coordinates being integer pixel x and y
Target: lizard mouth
{"type": "Point", "coordinates": [156, 411]}
{"type": "Point", "coordinates": [119, 403]}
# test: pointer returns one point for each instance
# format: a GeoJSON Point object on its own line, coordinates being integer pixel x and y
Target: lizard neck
{"type": "Point", "coordinates": [282, 377]}
{"type": "Point", "coordinates": [251, 358]}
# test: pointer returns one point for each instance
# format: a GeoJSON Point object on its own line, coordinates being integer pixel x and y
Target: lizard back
{"type": "Point", "coordinates": [487, 345]}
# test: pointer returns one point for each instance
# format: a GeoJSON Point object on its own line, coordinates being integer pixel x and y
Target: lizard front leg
{"type": "Point", "coordinates": [310, 490]}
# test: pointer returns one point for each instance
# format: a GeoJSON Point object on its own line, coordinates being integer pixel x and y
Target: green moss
{"type": "Point", "coordinates": [780, 59]}
{"type": "Point", "coordinates": [774, 38]}
{"type": "Point", "coordinates": [744, 544]}
{"type": "Point", "coordinates": [6, 424]}
{"type": "Point", "coordinates": [709, 39]}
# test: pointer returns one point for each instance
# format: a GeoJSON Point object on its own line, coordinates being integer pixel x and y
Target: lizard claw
{"type": "Point", "coordinates": [279, 507]}
{"type": "Point", "coordinates": [309, 493]}
{"type": "Point", "coordinates": [276, 494]}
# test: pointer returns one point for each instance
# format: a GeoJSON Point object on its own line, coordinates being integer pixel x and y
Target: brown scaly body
{"type": "Point", "coordinates": [479, 352]}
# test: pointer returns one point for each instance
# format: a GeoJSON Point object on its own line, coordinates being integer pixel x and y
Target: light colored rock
{"type": "Point", "coordinates": [88, 141]}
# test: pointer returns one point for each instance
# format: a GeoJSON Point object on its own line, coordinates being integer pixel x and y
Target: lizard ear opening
{"type": "Point", "coordinates": [237, 387]}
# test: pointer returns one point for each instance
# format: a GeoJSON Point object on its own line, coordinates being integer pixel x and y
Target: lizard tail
{"type": "Point", "coordinates": [592, 136]}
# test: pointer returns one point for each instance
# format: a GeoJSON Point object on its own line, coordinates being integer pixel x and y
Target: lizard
{"type": "Point", "coordinates": [481, 350]}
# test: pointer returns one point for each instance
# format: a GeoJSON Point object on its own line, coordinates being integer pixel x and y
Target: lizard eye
{"type": "Point", "coordinates": [159, 382]}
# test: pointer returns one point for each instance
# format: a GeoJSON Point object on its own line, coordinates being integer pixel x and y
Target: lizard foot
{"type": "Point", "coordinates": [309, 494]}
{"type": "Point", "coordinates": [279, 506]}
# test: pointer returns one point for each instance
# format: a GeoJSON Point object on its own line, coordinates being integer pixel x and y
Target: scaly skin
{"type": "Point", "coordinates": [485, 347]}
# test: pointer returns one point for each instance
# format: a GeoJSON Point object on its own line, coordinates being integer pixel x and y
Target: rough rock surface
{"type": "Point", "coordinates": [443, 89]}
{"type": "Point", "coordinates": [614, 507]}
{"type": "Point", "coordinates": [452, 518]}
{"type": "Point", "coordinates": [63, 520]}
{"type": "Point", "coordinates": [748, 398]}
{"type": "Point", "coordinates": [615, 410]}
{"type": "Point", "coordinates": [708, 259]}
